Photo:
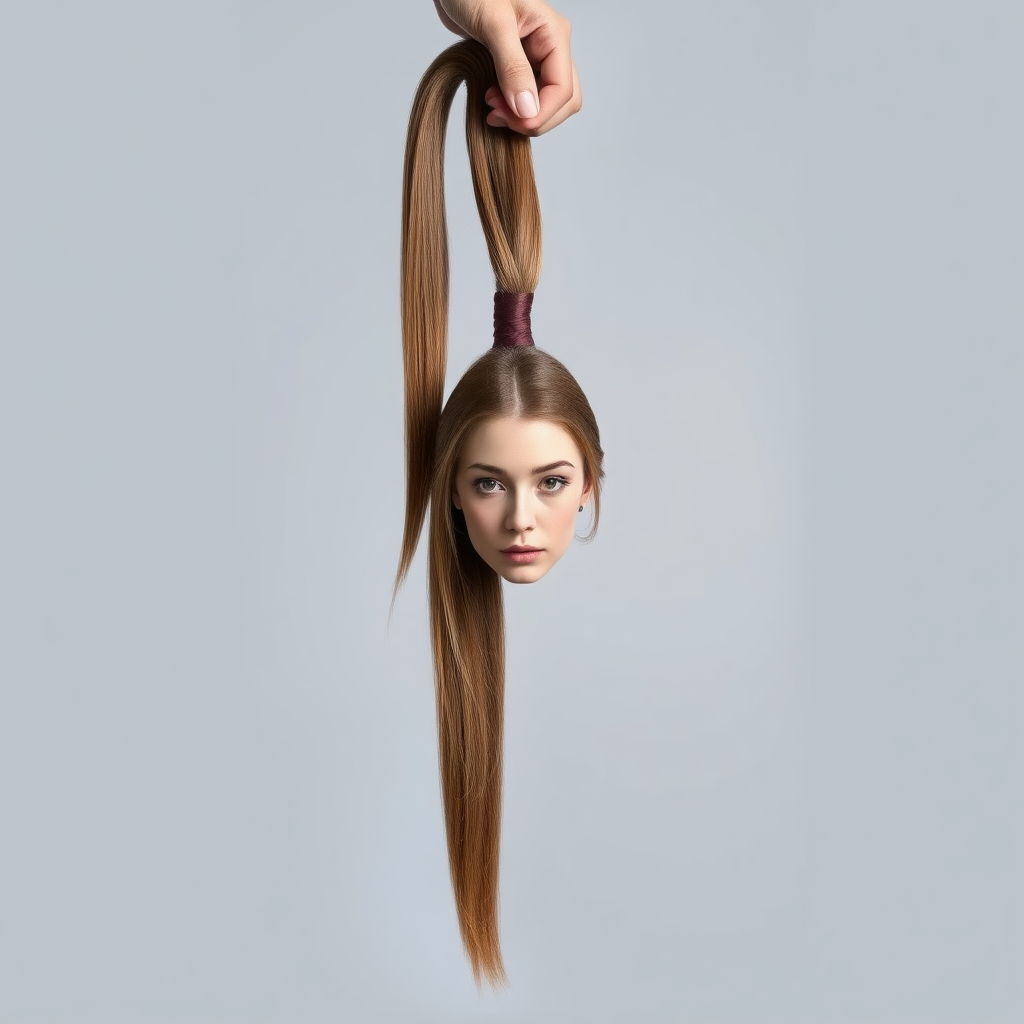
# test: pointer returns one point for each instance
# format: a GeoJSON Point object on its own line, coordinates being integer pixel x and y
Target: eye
{"type": "Point", "coordinates": [554, 484]}
{"type": "Point", "coordinates": [483, 485]}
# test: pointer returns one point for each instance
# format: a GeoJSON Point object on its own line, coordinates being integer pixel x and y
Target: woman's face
{"type": "Point", "coordinates": [520, 483]}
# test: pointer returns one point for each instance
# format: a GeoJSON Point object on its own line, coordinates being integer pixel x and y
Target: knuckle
{"type": "Point", "coordinates": [515, 71]}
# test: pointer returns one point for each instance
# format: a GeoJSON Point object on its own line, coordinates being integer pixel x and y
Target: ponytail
{"type": "Point", "coordinates": [466, 611]}
{"type": "Point", "coordinates": [506, 197]}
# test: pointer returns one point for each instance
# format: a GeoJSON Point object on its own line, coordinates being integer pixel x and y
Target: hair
{"type": "Point", "coordinates": [466, 611]}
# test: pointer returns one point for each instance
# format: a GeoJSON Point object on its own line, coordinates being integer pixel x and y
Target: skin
{"type": "Point", "coordinates": [522, 35]}
{"type": "Point", "coordinates": [518, 506]}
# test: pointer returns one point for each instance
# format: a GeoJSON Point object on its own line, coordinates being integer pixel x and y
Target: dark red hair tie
{"type": "Point", "coordinates": [512, 319]}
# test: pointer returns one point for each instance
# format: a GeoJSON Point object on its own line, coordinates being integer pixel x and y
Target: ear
{"type": "Point", "coordinates": [587, 488]}
{"type": "Point", "coordinates": [455, 498]}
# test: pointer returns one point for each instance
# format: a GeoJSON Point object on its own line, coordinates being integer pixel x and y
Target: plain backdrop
{"type": "Point", "coordinates": [763, 754]}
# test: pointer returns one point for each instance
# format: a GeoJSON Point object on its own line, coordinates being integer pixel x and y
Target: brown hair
{"type": "Point", "coordinates": [466, 612]}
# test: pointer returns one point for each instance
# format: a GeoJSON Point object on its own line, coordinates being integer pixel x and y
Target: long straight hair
{"type": "Point", "coordinates": [466, 610]}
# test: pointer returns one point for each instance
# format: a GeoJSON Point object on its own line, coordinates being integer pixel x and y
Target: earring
{"type": "Point", "coordinates": [581, 508]}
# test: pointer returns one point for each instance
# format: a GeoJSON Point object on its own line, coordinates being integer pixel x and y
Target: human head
{"type": "Point", "coordinates": [514, 398]}
{"type": "Point", "coordinates": [519, 483]}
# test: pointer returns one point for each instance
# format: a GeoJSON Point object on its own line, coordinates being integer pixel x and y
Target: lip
{"type": "Point", "coordinates": [518, 549]}
{"type": "Point", "coordinates": [522, 556]}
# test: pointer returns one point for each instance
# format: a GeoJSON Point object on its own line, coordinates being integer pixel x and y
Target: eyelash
{"type": "Point", "coordinates": [490, 480]}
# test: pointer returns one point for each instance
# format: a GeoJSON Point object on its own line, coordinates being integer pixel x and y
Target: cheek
{"type": "Point", "coordinates": [479, 517]}
{"type": "Point", "coordinates": [564, 520]}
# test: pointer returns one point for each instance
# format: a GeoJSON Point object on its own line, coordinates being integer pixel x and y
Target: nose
{"type": "Point", "coordinates": [521, 515]}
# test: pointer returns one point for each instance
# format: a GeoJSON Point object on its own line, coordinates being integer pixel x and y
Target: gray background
{"type": "Point", "coordinates": [763, 740]}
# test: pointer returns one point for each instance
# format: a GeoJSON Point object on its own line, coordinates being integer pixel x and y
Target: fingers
{"type": "Point", "coordinates": [533, 102]}
{"type": "Point", "coordinates": [502, 117]}
{"type": "Point", "coordinates": [547, 48]}
{"type": "Point", "coordinates": [500, 34]}
{"type": "Point", "coordinates": [538, 87]}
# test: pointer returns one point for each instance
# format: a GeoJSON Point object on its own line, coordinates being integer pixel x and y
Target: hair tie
{"type": "Point", "coordinates": [512, 319]}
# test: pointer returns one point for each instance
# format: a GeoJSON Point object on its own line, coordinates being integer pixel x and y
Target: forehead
{"type": "Point", "coordinates": [518, 445]}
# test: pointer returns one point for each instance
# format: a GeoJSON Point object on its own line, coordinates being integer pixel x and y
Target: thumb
{"type": "Point", "coordinates": [515, 74]}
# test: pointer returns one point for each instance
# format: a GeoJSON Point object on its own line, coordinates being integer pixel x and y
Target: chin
{"type": "Point", "coordinates": [523, 573]}
{"type": "Point", "coordinates": [521, 576]}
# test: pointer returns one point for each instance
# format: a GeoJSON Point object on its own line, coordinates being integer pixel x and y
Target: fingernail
{"type": "Point", "coordinates": [497, 122]}
{"type": "Point", "coordinates": [526, 105]}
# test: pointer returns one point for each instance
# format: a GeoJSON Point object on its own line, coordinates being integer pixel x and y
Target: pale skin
{"type": "Point", "coordinates": [529, 42]}
{"type": "Point", "coordinates": [520, 482]}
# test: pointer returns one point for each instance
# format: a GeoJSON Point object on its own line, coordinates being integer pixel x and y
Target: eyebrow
{"type": "Point", "coordinates": [498, 471]}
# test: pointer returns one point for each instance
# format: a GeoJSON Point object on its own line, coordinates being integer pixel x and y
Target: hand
{"type": "Point", "coordinates": [521, 35]}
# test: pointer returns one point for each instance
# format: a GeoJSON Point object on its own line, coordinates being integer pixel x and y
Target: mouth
{"type": "Point", "coordinates": [522, 556]}
{"type": "Point", "coordinates": [519, 549]}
